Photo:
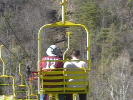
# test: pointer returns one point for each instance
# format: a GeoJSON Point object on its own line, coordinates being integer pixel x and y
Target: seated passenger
{"type": "Point", "coordinates": [75, 65]}
{"type": "Point", "coordinates": [53, 53]}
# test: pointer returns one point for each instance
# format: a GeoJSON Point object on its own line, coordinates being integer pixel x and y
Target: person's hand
{"type": "Point", "coordinates": [32, 78]}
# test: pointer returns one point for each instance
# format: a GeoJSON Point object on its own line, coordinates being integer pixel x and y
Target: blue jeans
{"type": "Point", "coordinates": [62, 97]}
{"type": "Point", "coordinates": [81, 97]}
{"type": "Point", "coordinates": [45, 97]}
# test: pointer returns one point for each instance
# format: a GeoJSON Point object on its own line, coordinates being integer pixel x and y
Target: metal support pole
{"type": "Point", "coordinates": [68, 44]}
{"type": "Point", "coordinates": [39, 56]}
{"type": "Point", "coordinates": [21, 77]}
{"type": "Point", "coordinates": [3, 71]}
{"type": "Point", "coordinates": [13, 87]}
{"type": "Point", "coordinates": [75, 96]}
{"type": "Point", "coordinates": [63, 11]}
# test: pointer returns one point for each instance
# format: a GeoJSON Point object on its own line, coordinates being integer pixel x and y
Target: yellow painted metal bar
{"type": "Point", "coordinates": [75, 96]}
{"type": "Point", "coordinates": [53, 83]}
{"type": "Point", "coordinates": [21, 85]}
{"type": "Point", "coordinates": [52, 72]}
{"type": "Point", "coordinates": [26, 99]}
{"type": "Point", "coordinates": [33, 95]}
{"type": "Point", "coordinates": [67, 89]}
{"type": "Point", "coordinates": [30, 92]}
{"type": "Point", "coordinates": [66, 83]}
{"type": "Point", "coordinates": [53, 89]}
{"type": "Point", "coordinates": [1, 51]}
{"type": "Point", "coordinates": [66, 92]}
{"type": "Point", "coordinates": [75, 72]}
{"type": "Point", "coordinates": [65, 72]}
{"type": "Point", "coordinates": [13, 86]}
{"type": "Point", "coordinates": [76, 83]}
{"type": "Point", "coordinates": [10, 97]}
{"type": "Point", "coordinates": [39, 58]}
{"type": "Point", "coordinates": [66, 77]}
{"type": "Point", "coordinates": [5, 84]}
{"type": "Point", "coordinates": [63, 10]}
{"type": "Point", "coordinates": [5, 76]}
{"type": "Point", "coordinates": [56, 97]}
{"type": "Point", "coordinates": [75, 88]}
{"type": "Point", "coordinates": [21, 91]}
{"type": "Point", "coordinates": [41, 89]}
{"type": "Point", "coordinates": [21, 77]}
{"type": "Point", "coordinates": [3, 63]}
{"type": "Point", "coordinates": [68, 44]}
{"type": "Point", "coordinates": [52, 77]}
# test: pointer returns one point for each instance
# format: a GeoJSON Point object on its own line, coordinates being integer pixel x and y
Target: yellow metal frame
{"type": "Point", "coordinates": [3, 63]}
{"type": "Point", "coordinates": [63, 24]}
{"type": "Point", "coordinates": [66, 75]}
{"type": "Point", "coordinates": [54, 88]}
{"type": "Point", "coordinates": [68, 44]}
{"type": "Point", "coordinates": [21, 77]}
{"type": "Point", "coordinates": [21, 85]}
{"type": "Point", "coordinates": [6, 76]}
{"type": "Point", "coordinates": [30, 93]}
{"type": "Point", "coordinates": [13, 82]}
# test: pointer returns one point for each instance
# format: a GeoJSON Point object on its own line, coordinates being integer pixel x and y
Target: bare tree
{"type": "Point", "coordinates": [120, 78]}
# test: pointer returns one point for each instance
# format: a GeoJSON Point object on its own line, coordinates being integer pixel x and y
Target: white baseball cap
{"type": "Point", "coordinates": [53, 50]}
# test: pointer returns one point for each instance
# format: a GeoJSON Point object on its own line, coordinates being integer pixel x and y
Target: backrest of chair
{"type": "Point", "coordinates": [65, 81]}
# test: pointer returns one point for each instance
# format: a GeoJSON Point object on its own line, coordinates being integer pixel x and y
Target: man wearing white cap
{"type": "Point", "coordinates": [53, 53]}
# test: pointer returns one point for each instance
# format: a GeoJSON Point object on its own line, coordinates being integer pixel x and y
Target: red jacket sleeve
{"type": "Point", "coordinates": [43, 63]}
{"type": "Point", "coordinates": [59, 64]}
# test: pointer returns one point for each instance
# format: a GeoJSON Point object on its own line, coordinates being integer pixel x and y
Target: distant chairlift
{"type": "Point", "coordinates": [26, 90]}
{"type": "Point", "coordinates": [6, 77]}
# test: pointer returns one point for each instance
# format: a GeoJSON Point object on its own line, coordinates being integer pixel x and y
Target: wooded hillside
{"type": "Point", "coordinates": [111, 25]}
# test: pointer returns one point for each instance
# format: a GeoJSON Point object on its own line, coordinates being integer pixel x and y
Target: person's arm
{"type": "Point", "coordinates": [34, 76]}
{"type": "Point", "coordinates": [85, 66]}
{"type": "Point", "coordinates": [43, 64]}
{"type": "Point", "coordinates": [59, 64]}
{"type": "Point", "coordinates": [67, 65]}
